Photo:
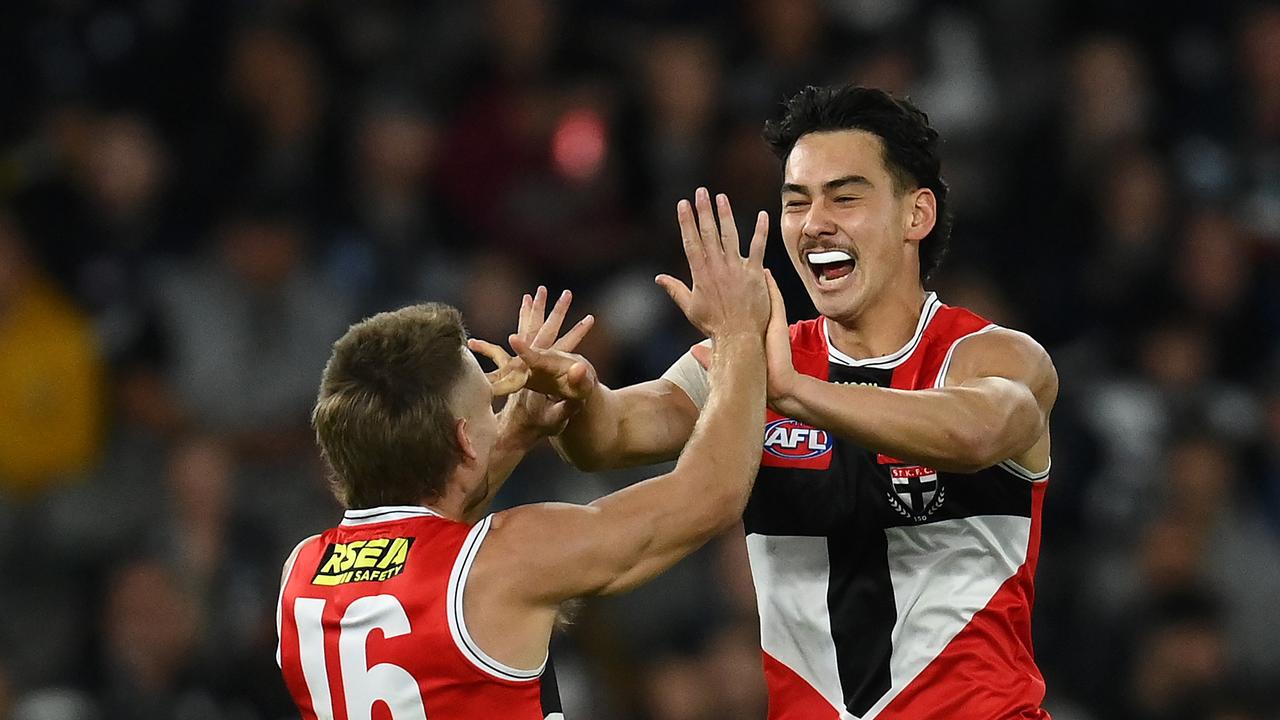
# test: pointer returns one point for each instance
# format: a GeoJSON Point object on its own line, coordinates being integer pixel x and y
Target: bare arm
{"type": "Point", "coordinates": [555, 551]}
{"type": "Point", "coordinates": [527, 417]}
{"type": "Point", "coordinates": [994, 405]}
{"type": "Point", "coordinates": [636, 425]}
{"type": "Point", "coordinates": [625, 539]}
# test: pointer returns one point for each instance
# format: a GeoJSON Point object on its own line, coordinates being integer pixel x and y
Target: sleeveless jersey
{"type": "Point", "coordinates": [371, 627]}
{"type": "Point", "coordinates": [888, 589]}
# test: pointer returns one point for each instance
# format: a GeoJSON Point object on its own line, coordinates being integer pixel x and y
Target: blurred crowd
{"type": "Point", "coordinates": [196, 198]}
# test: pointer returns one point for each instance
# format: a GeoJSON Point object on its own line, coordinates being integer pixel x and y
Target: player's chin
{"type": "Point", "coordinates": [835, 304]}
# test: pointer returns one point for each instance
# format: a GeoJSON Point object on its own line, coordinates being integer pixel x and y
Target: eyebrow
{"type": "Point", "coordinates": [830, 185]}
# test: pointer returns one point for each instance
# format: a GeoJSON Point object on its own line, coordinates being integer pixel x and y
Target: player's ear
{"type": "Point", "coordinates": [463, 437]}
{"type": "Point", "coordinates": [920, 214]}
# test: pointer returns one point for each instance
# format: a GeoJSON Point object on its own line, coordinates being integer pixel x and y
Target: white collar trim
{"type": "Point", "coordinates": [386, 513]}
{"type": "Point", "coordinates": [894, 359]}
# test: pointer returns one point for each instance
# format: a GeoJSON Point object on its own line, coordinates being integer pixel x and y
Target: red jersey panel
{"type": "Point", "coordinates": [888, 589]}
{"type": "Point", "coordinates": [371, 626]}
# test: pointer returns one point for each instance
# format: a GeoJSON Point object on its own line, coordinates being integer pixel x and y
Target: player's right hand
{"type": "Point", "coordinates": [729, 294]}
{"type": "Point", "coordinates": [537, 334]}
{"type": "Point", "coordinates": [545, 363]}
{"type": "Point", "coordinates": [557, 373]}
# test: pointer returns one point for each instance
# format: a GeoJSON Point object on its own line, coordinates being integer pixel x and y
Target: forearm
{"type": "Point", "coordinates": [708, 489]}
{"type": "Point", "coordinates": [957, 428]}
{"type": "Point", "coordinates": [589, 437]}
{"type": "Point", "coordinates": [725, 443]}
{"type": "Point", "coordinates": [637, 425]}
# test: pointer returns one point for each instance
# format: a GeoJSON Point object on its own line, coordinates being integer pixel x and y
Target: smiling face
{"type": "Point", "coordinates": [852, 233]}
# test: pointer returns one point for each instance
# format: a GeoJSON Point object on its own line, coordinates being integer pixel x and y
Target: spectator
{"type": "Point", "coordinates": [51, 387]}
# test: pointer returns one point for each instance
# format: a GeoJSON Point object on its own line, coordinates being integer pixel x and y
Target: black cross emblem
{"type": "Point", "coordinates": [916, 488]}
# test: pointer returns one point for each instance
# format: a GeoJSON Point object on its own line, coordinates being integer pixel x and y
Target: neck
{"type": "Point", "coordinates": [444, 508]}
{"type": "Point", "coordinates": [455, 502]}
{"type": "Point", "coordinates": [881, 329]}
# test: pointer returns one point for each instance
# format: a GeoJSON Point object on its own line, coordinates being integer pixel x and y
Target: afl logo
{"type": "Point", "coordinates": [792, 440]}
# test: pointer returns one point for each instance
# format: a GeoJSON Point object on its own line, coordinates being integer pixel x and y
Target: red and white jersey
{"type": "Point", "coordinates": [888, 589]}
{"type": "Point", "coordinates": [371, 626]}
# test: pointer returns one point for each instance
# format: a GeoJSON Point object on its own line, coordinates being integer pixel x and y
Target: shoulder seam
{"type": "Point", "coordinates": [285, 572]}
{"type": "Point", "coordinates": [457, 622]}
{"type": "Point", "coordinates": [946, 362]}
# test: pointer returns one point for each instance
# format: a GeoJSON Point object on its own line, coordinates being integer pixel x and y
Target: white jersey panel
{"type": "Point", "coordinates": [943, 573]}
{"type": "Point", "coordinates": [791, 576]}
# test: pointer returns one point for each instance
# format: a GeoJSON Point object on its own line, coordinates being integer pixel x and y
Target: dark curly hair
{"type": "Point", "coordinates": [910, 145]}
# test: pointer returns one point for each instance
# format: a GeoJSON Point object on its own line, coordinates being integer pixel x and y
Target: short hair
{"type": "Point", "coordinates": [384, 418]}
{"type": "Point", "coordinates": [910, 145]}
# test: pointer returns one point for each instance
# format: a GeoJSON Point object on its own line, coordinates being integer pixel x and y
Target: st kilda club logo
{"type": "Point", "coordinates": [917, 491]}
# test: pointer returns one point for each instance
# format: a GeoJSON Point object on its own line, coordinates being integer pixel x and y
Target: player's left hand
{"type": "Point", "coordinates": [537, 415]}
{"type": "Point", "coordinates": [777, 346]}
{"type": "Point", "coordinates": [512, 373]}
{"type": "Point", "coordinates": [527, 411]}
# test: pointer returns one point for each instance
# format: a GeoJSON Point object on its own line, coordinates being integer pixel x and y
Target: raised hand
{"type": "Point", "coordinates": [556, 372]}
{"type": "Point", "coordinates": [729, 293]}
{"type": "Point", "coordinates": [777, 345]}
{"type": "Point", "coordinates": [532, 329]}
{"type": "Point", "coordinates": [527, 410]}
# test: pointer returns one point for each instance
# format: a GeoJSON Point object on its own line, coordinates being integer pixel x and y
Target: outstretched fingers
{"type": "Point", "coordinates": [526, 309]}
{"type": "Point", "coordinates": [537, 313]}
{"type": "Point", "coordinates": [694, 251]}
{"type": "Point", "coordinates": [680, 293]}
{"type": "Point", "coordinates": [759, 238]}
{"type": "Point", "coordinates": [570, 341]}
{"type": "Point", "coordinates": [546, 334]}
{"type": "Point", "coordinates": [708, 231]}
{"type": "Point", "coordinates": [509, 376]}
{"type": "Point", "coordinates": [728, 227]}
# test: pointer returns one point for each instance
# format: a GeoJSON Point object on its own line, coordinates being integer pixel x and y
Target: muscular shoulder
{"type": "Point", "coordinates": [1001, 352]}
{"type": "Point", "coordinates": [523, 532]}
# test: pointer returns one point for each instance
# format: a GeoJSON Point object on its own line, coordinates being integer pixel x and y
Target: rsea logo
{"type": "Point", "coordinates": [362, 561]}
{"type": "Point", "coordinates": [790, 443]}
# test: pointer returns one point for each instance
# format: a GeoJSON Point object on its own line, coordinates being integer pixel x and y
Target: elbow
{"type": "Point", "coordinates": [979, 454]}
{"type": "Point", "coordinates": [581, 460]}
{"type": "Point", "coordinates": [978, 445]}
{"type": "Point", "coordinates": [716, 519]}
{"type": "Point", "coordinates": [713, 513]}
{"type": "Point", "coordinates": [726, 508]}
{"type": "Point", "coordinates": [974, 447]}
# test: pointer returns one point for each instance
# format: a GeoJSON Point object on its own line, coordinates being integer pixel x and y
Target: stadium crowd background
{"type": "Point", "coordinates": [196, 198]}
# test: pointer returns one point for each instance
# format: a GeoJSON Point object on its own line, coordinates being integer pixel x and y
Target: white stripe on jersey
{"type": "Point", "coordinates": [1008, 465]}
{"type": "Point", "coordinates": [458, 623]}
{"type": "Point", "coordinates": [284, 579]}
{"type": "Point", "coordinates": [1026, 474]}
{"type": "Point", "coordinates": [943, 573]}
{"type": "Point", "coordinates": [386, 513]}
{"type": "Point", "coordinates": [893, 359]}
{"type": "Point", "coordinates": [790, 574]}
{"type": "Point", "coordinates": [941, 381]}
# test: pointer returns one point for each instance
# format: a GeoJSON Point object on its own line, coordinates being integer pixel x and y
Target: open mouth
{"type": "Point", "coordinates": [830, 265]}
